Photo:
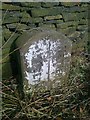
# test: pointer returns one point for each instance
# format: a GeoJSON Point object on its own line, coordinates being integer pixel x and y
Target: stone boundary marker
{"type": "Point", "coordinates": [45, 57]}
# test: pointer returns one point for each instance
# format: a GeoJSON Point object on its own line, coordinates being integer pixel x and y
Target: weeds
{"type": "Point", "coordinates": [56, 104]}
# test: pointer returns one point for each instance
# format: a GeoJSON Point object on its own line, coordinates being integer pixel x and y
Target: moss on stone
{"type": "Point", "coordinates": [70, 16]}
{"type": "Point", "coordinates": [83, 22]}
{"type": "Point", "coordinates": [10, 20]}
{"type": "Point", "coordinates": [68, 31]}
{"type": "Point", "coordinates": [77, 9]}
{"type": "Point", "coordinates": [74, 16]}
{"type": "Point", "coordinates": [67, 24]}
{"type": "Point", "coordinates": [10, 7]}
{"type": "Point", "coordinates": [49, 4]}
{"type": "Point", "coordinates": [46, 12]}
{"type": "Point", "coordinates": [75, 34]}
{"type": "Point", "coordinates": [53, 22]}
{"type": "Point", "coordinates": [18, 26]}
{"type": "Point", "coordinates": [25, 15]}
{"type": "Point", "coordinates": [82, 27]}
{"type": "Point", "coordinates": [35, 20]}
{"type": "Point", "coordinates": [53, 17]}
{"type": "Point", "coordinates": [52, 26]}
{"type": "Point", "coordinates": [30, 4]}
{"type": "Point", "coordinates": [70, 3]}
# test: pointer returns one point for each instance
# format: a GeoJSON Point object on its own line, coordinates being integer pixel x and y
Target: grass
{"type": "Point", "coordinates": [70, 102]}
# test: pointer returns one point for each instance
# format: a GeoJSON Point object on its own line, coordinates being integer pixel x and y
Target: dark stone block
{"type": "Point", "coordinates": [49, 4]}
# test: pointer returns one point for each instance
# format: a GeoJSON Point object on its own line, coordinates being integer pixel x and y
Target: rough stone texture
{"type": "Point", "coordinates": [82, 28]}
{"type": "Point", "coordinates": [10, 20]}
{"type": "Point", "coordinates": [45, 12]}
{"type": "Point", "coordinates": [47, 52]}
{"type": "Point", "coordinates": [48, 4]}
{"type": "Point", "coordinates": [74, 16]}
{"type": "Point", "coordinates": [53, 17]}
{"type": "Point", "coordinates": [32, 4]}
{"type": "Point", "coordinates": [18, 26]}
{"type": "Point", "coordinates": [70, 3]}
{"type": "Point", "coordinates": [70, 16]}
{"type": "Point", "coordinates": [35, 20]}
{"type": "Point", "coordinates": [70, 19]}
{"type": "Point", "coordinates": [67, 24]}
{"type": "Point", "coordinates": [10, 7]}
{"type": "Point", "coordinates": [67, 31]}
{"type": "Point", "coordinates": [47, 26]}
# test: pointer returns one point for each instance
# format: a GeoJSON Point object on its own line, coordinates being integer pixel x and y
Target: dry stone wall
{"type": "Point", "coordinates": [70, 19]}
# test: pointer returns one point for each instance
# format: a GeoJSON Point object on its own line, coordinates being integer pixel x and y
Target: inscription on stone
{"type": "Point", "coordinates": [46, 57]}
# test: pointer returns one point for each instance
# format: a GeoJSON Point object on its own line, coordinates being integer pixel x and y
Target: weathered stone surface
{"type": "Point", "coordinates": [70, 3]}
{"type": "Point", "coordinates": [75, 34]}
{"type": "Point", "coordinates": [18, 26]}
{"type": "Point", "coordinates": [47, 26]}
{"type": "Point", "coordinates": [10, 7]}
{"type": "Point", "coordinates": [58, 21]}
{"type": "Point", "coordinates": [68, 31]}
{"type": "Point", "coordinates": [25, 20]}
{"type": "Point", "coordinates": [31, 4]}
{"type": "Point", "coordinates": [53, 17]}
{"type": "Point", "coordinates": [22, 39]}
{"type": "Point", "coordinates": [40, 55]}
{"type": "Point", "coordinates": [83, 22]}
{"type": "Point", "coordinates": [7, 14]}
{"type": "Point", "coordinates": [70, 16]}
{"type": "Point", "coordinates": [82, 27]}
{"type": "Point", "coordinates": [67, 24]}
{"type": "Point", "coordinates": [77, 9]}
{"type": "Point", "coordinates": [22, 27]}
{"type": "Point", "coordinates": [46, 12]}
{"type": "Point", "coordinates": [25, 15]}
{"type": "Point", "coordinates": [49, 4]}
{"type": "Point", "coordinates": [74, 16]}
{"type": "Point", "coordinates": [53, 22]}
{"type": "Point", "coordinates": [35, 20]}
{"type": "Point", "coordinates": [83, 15]}
{"type": "Point", "coordinates": [10, 20]}
{"type": "Point", "coordinates": [12, 26]}
{"type": "Point", "coordinates": [31, 25]}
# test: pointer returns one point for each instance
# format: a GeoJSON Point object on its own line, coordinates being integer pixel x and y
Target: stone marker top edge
{"type": "Point", "coordinates": [30, 35]}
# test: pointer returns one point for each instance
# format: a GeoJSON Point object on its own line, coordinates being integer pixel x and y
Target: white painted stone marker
{"type": "Point", "coordinates": [45, 57]}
